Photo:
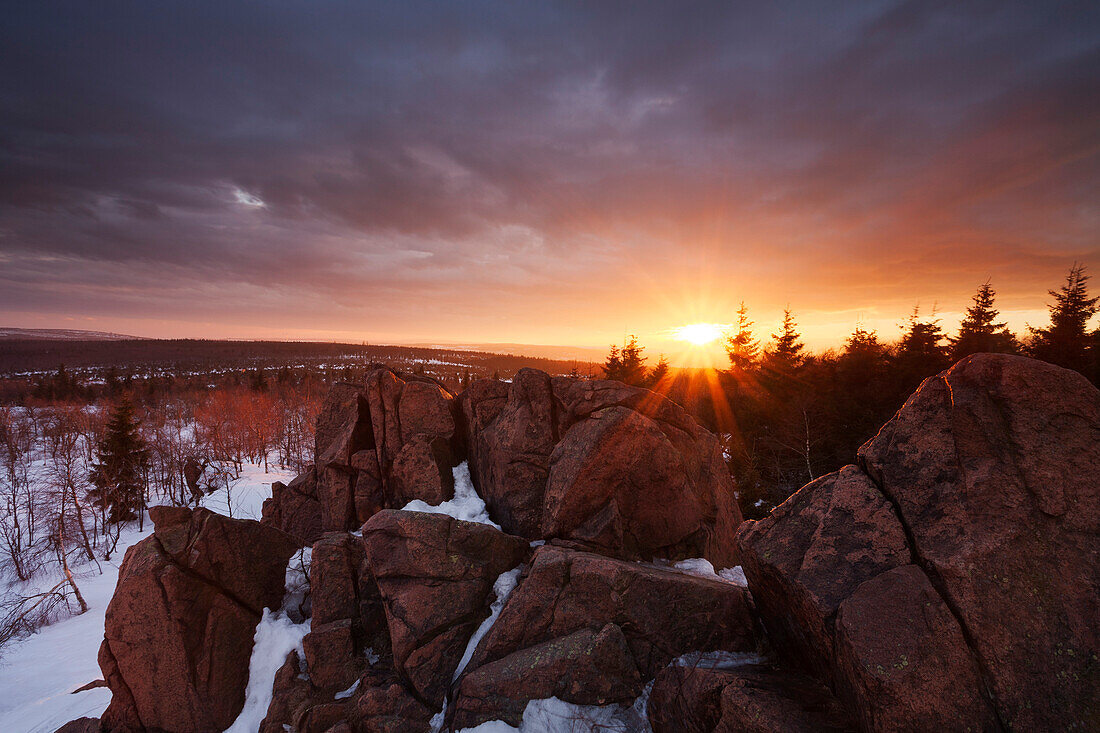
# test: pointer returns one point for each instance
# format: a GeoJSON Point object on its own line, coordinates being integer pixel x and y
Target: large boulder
{"type": "Point", "coordinates": [591, 461]}
{"type": "Point", "coordinates": [435, 575]}
{"type": "Point", "coordinates": [294, 508]}
{"type": "Point", "coordinates": [993, 468]}
{"type": "Point", "coordinates": [953, 579]}
{"type": "Point", "coordinates": [587, 667]}
{"type": "Point", "coordinates": [748, 698]}
{"type": "Point", "coordinates": [660, 614]}
{"type": "Point", "coordinates": [811, 553]}
{"type": "Point", "coordinates": [512, 461]}
{"type": "Point", "coordinates": [902, 662]}
{"type": "Point", "coordinates": [178, 631]}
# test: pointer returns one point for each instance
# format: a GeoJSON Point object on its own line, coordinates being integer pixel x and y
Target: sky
{"type": "Point", "coordinates": [541, 173]}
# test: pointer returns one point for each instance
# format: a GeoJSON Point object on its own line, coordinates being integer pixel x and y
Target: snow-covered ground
{"type": "Point", "coordinates": [39, 673]}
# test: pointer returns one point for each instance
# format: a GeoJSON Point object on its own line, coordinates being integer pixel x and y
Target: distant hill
{"type": "Point", "coordinates": [27, 355]}
{"type": "Point", "coordinates": [540, 351]}
{"type": "Point", "coordinates": [61, 334]}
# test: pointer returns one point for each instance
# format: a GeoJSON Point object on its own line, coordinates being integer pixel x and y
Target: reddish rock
{"type": "Point", "coordinates": [902, 661]}
{"type": "Point", "coordinates": [513, 454]}
{"type": "Point", "coordinates": [330, 654]}
{"type": "Point", "coordinates": [479, 405]}
{"type": "Point", "coordinates": [343, 426]}
{"type": "Point", "coordinates": [425, 410]}
{"type": "Point", "coordinates": [178, 631]}
{"type": "Point", "coordinates": [422, 470]}
{"type": "Point", "coordinates": [811, 553]}
{"type": "Point", "coordinates": [435, 575]}
{"type": "Point", "coordinates": [569, 458]}
{"type": "Point", "coordinates": [992, 465]}
{"type": "Point", "coordinates": [662, 613]}
{"type": "Point", "coordinates": [294, 508]}
{"type": "Point", "coordinates": [587, 667]}
{"type": "Point", "coordinates": [387, 707]}
{"type": "Point", "coordinates": [617, 484]}
{"type": "Point", "coordinates": [754, 698]}
{"type": "Point", "coordinates": [378, 445]}
{"type": "Point", "coordinates": [80, 725]}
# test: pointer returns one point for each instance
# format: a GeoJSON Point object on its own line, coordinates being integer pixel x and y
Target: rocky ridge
{"type": "Point", "coordinates": [949, 580]}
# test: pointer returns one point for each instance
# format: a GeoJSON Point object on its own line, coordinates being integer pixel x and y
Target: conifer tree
{"type": "Point", "coordinates": [613, 365]}
{"type": "Point", "coordinates": [116, 476]}
{"type": "Point", "coordinates": [657, 373]}
{"type": "Point", "coordinates": [979, 332]}
{"type": "Point", "coordinates": [786, 352]}
{"type": "Point", "coordinates": [742, 349]}
{"type": "Point", "coordinates": [1066, 342]}
{"type": "Point", "coordinates": [921, 352]}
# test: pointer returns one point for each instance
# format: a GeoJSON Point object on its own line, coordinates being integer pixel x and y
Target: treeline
{"type": "Point", "coordinates": [787, 416]}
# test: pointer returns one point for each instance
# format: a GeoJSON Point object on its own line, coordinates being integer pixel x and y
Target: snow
{"type": "Point", "coordinates": [716, 660]}
{"type": "Point", "coordinates": [39, 673]}
{"type": "Point", "coordinates": [343, 694]}
{"type": "Point", "coordinates": [466, 504]}
{"type": "Point", "coordinates": [702, 568]}
{"type": "Point", "coordinates": [552, 715]}
{"type": "Point", "coordinates": [734, 575]}
{"type": "Point", "coordinates": [502, 588]}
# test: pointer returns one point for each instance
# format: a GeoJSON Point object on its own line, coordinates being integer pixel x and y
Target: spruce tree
{"type": "Point", "coordinates": [786, 352]}
{"type": "Point", "coordinates": [979, 332]}
{"type": "Point", "coordinates": [613, 365]}
{"type": "Point", "coordinates": [117, 474]}
{"type": "Point", "coordinates": [741, 348]}
{"type": "Point", "coordinates": [1066, 342]}
{"type": "Point", "coordinates": [657, 373]}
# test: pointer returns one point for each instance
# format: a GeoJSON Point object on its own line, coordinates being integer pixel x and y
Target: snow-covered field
{"type": "Point", "coordinates": [38, 674]}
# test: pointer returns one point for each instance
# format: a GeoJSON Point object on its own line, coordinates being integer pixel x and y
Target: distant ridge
{"type": "Point", "coordinates": [62, 334]}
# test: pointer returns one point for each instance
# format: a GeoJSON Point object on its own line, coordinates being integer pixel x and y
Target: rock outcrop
{"type": "Point", "coordinates": [620, 470]}
{"type": "Point", "coordinates": [178, 631]}
{"type": "Point", "coordinates": [379, 445]}
{"type": "Point", "coordinates": [435, 575]}
{"type": "Point", "coordinates": [749, 698]}
{"type": "Point", "coordinates": [951, 581]}
{"type": "Point", "coordinates": [605, 619]}
{"type": "Point", "coordinates": [948, 581]}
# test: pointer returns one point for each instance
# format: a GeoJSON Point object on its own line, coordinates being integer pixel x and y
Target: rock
{"type": "Point", "coordinates": [587, 667]}
{"type": "Point", "coordinates": [379, 445]}
{"type": "Point", "coordinates": [435, 575]}
{"type": "Point", "coordinates": [811, 553]}
{"type": "Point", "coordinates": [294, 508]}
{"type": "Point", "coordinates": [422, 470]}
{"type": "Point", "coordinates": [178, 631]}
{"type": "Point", "coordinates": [587, 461]}
{"type": "Point", "coordinates": [992, 466]}
{"type": "Point", "coordinates": [387, 707]}
{"type": "Point", "coordinates": [902, 661]}
{"type": "Point", "coordinates": [618, 485]}
{"type": "Point", "coordinates": [330, 654]}
{"type": "Point", "coordinates": [479, 405]}
{"type": "Point", "coordinates": [754, 698]}
{"type": "Point", "coordinates": [94, 684]}
{"type": "Point", "coordinates": [662, 613]}
{"type": "Point", "coordinates": [80, 725]}
{"type": "Point", "coordinates": [513, 454]}
{"type": "Point", "coordinates": [343, 426]}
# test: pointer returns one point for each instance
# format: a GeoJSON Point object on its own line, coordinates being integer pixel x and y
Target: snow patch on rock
{"type": "Point", "coordinates": [466, 504]}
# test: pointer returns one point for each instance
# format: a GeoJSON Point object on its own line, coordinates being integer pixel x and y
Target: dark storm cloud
{"type": "Point", "coordinates": [253, 155]}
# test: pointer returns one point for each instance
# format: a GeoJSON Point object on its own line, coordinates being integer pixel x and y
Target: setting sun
{"type": "Point", "coordinates": [699, 334]}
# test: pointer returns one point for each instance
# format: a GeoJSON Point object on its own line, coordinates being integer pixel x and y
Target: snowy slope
{"type": "Point", "coordinates": [38, 674]}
